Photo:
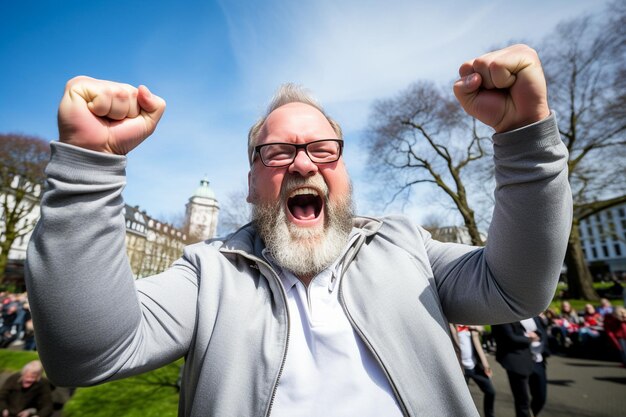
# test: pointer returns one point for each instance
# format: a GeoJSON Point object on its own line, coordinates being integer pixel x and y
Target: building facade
{"type": "Point", "coordinates": [152, 245]}
{"type": "Point", "coordinates": [454, 234]}
{"type": "Point", "coordinates": [603, 238]}
{"type": "Point", "coordinates": [26, 213]}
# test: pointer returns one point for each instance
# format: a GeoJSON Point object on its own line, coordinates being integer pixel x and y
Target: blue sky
{"type": "Point", "coordinates": [217, 63]}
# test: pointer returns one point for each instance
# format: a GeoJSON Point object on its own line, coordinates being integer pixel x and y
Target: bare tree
{"type": "Point", "coordinates": [422, 136]}
{"type": "Point", "coordinates": [22, 163]}
{"type": "Point", "coordinates": [235, 212]}
{"type": "Point", "coordinates": [432, 222]}
{"type": "Point", "coordinates": [584, 62]}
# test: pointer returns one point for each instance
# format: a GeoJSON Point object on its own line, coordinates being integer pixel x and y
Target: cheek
{"type": "Point", "coordinates": [337, 180]}
{"type": "Point", "coordinates": [264, 186]}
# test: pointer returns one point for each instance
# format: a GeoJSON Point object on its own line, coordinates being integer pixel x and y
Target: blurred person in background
{"type": "Point", "coordinates": [26, 393]}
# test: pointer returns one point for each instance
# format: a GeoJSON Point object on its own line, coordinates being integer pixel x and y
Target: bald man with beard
{"type": "Point", "coordinates": [309, 310]}
{"type": "Point", "coordinates": [26, 393]}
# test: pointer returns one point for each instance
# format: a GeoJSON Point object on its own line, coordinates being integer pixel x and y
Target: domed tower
{"type": "Point", "coordinates": [201, 213]}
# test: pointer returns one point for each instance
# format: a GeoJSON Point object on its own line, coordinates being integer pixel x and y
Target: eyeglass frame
{"type": "Point", "coordinates": [297, 146]}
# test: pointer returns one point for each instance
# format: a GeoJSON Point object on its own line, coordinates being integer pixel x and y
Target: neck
{"type": "Point", "coordinates": [306, 279]}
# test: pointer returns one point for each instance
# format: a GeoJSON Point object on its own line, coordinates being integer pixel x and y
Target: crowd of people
{"type": "Point", "coordinates": [522, 349]}
{"type": "Point", "coordinates": [596, 331]}
{"type": "Point", "coordinates": [16, 325]}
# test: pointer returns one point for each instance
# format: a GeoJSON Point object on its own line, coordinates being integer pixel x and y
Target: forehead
{"type": "Point", "coordinates": [296, 122]}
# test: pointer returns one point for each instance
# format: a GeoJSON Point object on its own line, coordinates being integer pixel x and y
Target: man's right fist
{"type": "Point", "coordinates": [106, 116]}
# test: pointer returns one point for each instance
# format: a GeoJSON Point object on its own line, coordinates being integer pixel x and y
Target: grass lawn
{"type": "Point", "coordinates": [579, 304]}
{"type": "Point", "coordinates": [14, 360]}
{"type": "Point", "coordinates": [153, 394]}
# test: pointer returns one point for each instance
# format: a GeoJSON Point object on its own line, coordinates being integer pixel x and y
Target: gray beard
{"type": "Point", "coordinates": [304, 251]}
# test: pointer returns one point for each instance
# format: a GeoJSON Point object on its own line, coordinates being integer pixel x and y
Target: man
{"type": "Point", "coordinates": [521, 349]}
{"type": "Point", "coordinates": [615, 326]}
{"type": "Point", "coordinates": [605, 307]}
{"type": "Point", "coordinates": [308, 310]}
{"type": "Point", "coordinates": [26, 393]}
{"type": "Point", "coordinates": [469, 349]}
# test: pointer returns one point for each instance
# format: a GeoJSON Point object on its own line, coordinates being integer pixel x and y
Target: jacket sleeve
{"type": "Point", "coordinates": [45, 406]}
{"type": "Point", "coordinates": [611, 327]}
{"type": "Point", "coordinates": [513, 339]}
{"type": "Point", "coordinates": [92, 320]}
{"type": "Point", "coordinates": [4, 393]}
{"type": "Point", "coordinates": [515, 275]}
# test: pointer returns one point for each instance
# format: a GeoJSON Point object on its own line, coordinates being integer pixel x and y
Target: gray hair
{"type": "Point", "coordinates": [33, 366]}
{"type": "Point", "coordinates": [285, 94]}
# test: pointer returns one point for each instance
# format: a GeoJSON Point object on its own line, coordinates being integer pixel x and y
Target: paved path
{"type": "Point", "coordinates": [576, 388]}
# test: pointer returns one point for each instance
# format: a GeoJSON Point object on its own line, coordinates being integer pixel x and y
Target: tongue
{"type": "Point", "coordinates": [303, 212]}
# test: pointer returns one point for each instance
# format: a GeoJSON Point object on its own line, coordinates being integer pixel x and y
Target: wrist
{"type": "Point", "coordinates": [541, 113]}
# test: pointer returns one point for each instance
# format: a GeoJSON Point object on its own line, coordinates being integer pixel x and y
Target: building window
{"type": "Point", "coordinates": [618, 249]}
{"type": "Point", "coordinates": [594, 253]}
{"type": "Point", "coordinates": [605, 251]}
{"type": "Point", "coordinates": [621, 211]}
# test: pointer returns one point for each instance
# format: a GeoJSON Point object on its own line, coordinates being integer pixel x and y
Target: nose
{"type": "Point", "coordinates": [302, 164]}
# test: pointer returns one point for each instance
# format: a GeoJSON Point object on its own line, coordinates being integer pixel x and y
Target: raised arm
{"type": "Point", "coordinates": [515, 275]}
{"type": "Point", "coordinates": [92, 320]}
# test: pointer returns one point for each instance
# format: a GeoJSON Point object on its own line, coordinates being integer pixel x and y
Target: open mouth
{"type": "Point", "coordinates": [305, 204]}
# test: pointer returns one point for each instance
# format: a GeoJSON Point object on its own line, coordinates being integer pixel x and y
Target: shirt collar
{"type": "Point", "coordinates": [326, 277]}
{"type": "Point", "coordinates": [289, 279]}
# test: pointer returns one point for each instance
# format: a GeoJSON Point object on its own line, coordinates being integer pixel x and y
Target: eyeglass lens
{"type": "Point", "coordinates": [279, 154]}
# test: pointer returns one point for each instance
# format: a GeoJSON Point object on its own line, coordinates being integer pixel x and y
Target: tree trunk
{"type": "Point", "coordinates": [468, 216]}
{"type": "Point", "coordinates": [4, 259]}
{"type": "Point", "coordinates": [474, 233]}
{"type": "Point", "coordinates": [579, 279]}
{"type": "Point", "coordinates": [5, 248]}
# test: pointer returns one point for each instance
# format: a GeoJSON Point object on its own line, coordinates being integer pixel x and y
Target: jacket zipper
{"type": "Point", "coordinates": [284, 296]}
{"type": "Point", "coordinates": [284, 358]}
{"type": "Point", "coordinates": [369, 345]}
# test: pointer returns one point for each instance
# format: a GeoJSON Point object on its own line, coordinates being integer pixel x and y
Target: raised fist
{"type": "Point", "coordinates": [504, 89]}
{"type": "Point", "coordinates": [106, 116]}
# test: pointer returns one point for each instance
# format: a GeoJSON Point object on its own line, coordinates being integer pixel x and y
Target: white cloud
{"type": "Point", "coordinates": [348, 53]}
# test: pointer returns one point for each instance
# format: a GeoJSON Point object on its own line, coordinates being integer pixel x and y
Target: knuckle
{"type": "Point", "coordinates": [122, 94]}
{"type": "Point", "coordinates": [495, 66]}
{"type": "Point", "coordinates": [480, 64]}
{"type": "Point", "coordinates": [75, 80]}
{"type": "Point", "coordinates": [107, 90]}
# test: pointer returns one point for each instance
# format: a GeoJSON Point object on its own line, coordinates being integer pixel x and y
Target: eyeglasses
{"type": "Point", "coordinates": [278, 154]}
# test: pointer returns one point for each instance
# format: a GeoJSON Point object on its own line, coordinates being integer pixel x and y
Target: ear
{"type": "Point", "coordinates": [250, 198]}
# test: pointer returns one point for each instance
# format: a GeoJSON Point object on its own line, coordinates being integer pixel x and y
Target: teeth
{"type": "Point", "coordinates": [304, 191]}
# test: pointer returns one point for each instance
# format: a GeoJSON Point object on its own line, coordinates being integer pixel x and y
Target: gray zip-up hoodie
{"type": "Point", "coordinates": [222, 307]}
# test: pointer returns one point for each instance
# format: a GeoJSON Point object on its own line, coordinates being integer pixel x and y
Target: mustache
{"type": "Point", "coordinates": [294, 181]}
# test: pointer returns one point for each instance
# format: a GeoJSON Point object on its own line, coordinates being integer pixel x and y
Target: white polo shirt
{"type": "Point", "coordinates": [328, 370]}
